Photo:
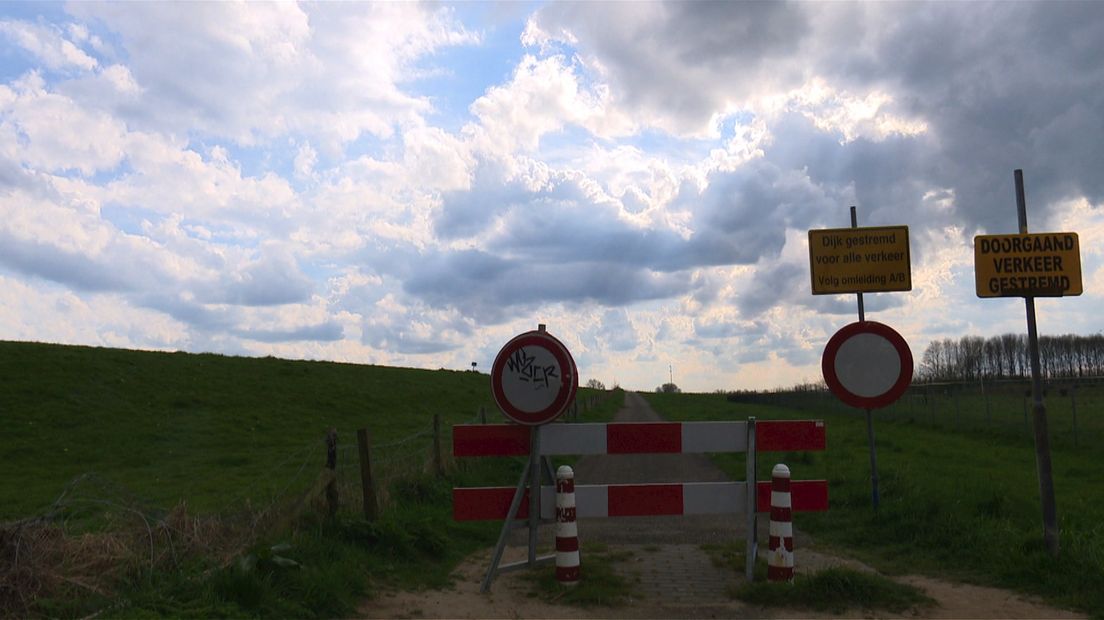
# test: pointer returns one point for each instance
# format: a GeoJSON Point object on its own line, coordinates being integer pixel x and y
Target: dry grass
{"type": "Point", "coordinates": [47, 557]}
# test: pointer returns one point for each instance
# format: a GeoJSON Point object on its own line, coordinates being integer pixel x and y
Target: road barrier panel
{"type": "Point", "coordinates": [624, 500]}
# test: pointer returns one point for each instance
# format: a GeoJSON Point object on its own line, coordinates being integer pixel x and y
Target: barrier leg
{"type": "Point", "coordinates": [780, 566]}
{"type": "Point", "coordinates": [567, 531]}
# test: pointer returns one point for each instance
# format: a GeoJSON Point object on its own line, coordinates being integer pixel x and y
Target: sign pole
{"type": "Point", "coordinates": [1042, 437]}
{"type": "Point", "coordinates": [869, 415]}
{"type": "Point", "coordinates": [752, 498]}
{"type": "Point", "coordinates": [534, 492]}
{"type": "Point", "coordinates": [862, 311]}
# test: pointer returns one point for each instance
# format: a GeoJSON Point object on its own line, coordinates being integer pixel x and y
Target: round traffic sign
{"type": "Point", "coordinates": [534, 378]}
{"type": "Point", "coordinates": [867, 364]}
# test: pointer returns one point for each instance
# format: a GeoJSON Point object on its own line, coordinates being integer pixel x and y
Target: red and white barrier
{"type": "Point", "coordinates": [567, 531]}
{"type": "Point", "coordinates": [636, 500]}
{"type": "Point", "coordinates": [622, 500]}
{"type": "Point", "coordinates": [637, 438]}
{"type": "Point", "coordinates": [780, 559]}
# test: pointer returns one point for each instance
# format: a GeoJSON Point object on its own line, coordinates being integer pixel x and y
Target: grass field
{"type": "Point", "coordinates": [1075, 409]}
{"type": "Point", "coordinates": [954, 502]}
{"type": "Point", "coordinates": [138, 458]}
{"type": "Point", "coordinates": [143, 460]}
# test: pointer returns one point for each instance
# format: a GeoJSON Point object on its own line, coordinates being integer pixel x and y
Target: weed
{"type": "Point", "coordinates": [835, 590]}
{"type": "Point", "coordinates": [599, 586]}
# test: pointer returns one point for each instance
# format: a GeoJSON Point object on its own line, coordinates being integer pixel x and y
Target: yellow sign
{"type": "Point", "coordinates": [860, 260]}
{"type": "Point", "coordinates": [1036, 265]}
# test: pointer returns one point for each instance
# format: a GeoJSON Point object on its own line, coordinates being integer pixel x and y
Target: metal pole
{"type": "Point", "coordinates": [859, 296]}
{"type": "Point", "coordinates": [873, 459]}
{"type": "Point", "coordinates": [534, 493]}
{"type": "Point", "coordinates": [752, 498]}
{"type": "Point", "coordinates": [507, 525]}
{"type": "Point", "coordinates": [869, 415]}
{"type": "Point", "coordinates": [1042, 437]}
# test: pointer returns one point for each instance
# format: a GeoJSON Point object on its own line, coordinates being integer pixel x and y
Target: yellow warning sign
{"type": "Point", "coordinates": [860, 260]}
{"type": "Point", "coordinates": [1034, 265]}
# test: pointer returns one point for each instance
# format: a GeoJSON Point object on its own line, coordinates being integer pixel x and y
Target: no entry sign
{"type": "Point", "coordinates": [867, 364]}
{"type": "Point", "coordinates": [534, 378]}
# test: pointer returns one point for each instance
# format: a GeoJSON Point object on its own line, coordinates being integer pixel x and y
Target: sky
{"type": "Point", "coordinates": [414, 184]}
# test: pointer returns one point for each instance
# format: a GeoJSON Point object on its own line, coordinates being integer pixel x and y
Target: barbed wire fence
{"type": "Point", "coordinates": [98, 530]}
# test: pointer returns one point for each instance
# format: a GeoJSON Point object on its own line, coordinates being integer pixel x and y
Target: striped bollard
{"type": "Point", "coordinates": [567, 532]}
{"type": "Point", "coordinates": [780, 560]}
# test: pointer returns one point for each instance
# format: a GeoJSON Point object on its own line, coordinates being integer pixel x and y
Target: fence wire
{"type": "Point", "coordinates": [1075, 409]}
{"type": "Point", "coordinates": [98, 529]}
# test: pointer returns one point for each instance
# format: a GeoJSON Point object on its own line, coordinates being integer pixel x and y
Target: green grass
{"type": "Point", "coordinates": [127, 439]}
{"type": "Point", "coordinates": [599, 584]}
{"type": "Point", "coordinates": [836, 590]}
{"type": "Point", "coordinates": [208, 429]}
{"type": "Point", "coordinates": [955, 504]}
{"type": "Point", "coordinates": [997, 409]}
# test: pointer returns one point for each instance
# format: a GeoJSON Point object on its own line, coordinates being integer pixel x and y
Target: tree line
{"type": "Point", "coordinates": [972, 358]}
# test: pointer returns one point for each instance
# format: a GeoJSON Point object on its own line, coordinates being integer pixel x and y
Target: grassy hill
{"type": "Point", "coordinates": [200, 428]}
{"type": "Point", "coordinates": [143, 484]}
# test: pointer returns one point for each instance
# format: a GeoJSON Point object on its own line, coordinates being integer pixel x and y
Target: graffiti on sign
{"type": "Point", "coordinates": [529, 371]}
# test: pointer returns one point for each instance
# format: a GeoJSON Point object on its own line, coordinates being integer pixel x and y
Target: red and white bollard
{"type": "Point", "coordinates": [780, 559]}
{"type": "Point", "coordinates": [567, 532]}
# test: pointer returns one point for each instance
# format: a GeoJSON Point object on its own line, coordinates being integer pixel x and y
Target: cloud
{"type": "Point", "coordinates": [292, 179]}
{"type": "Point", "coordinates": [273, 278]}
{"type": "Point", "coordinates": [73, 269]}
{"type": "Point", "coordinates": [617, 329]}
{"type": "Point", "coordinates": [253, 72]}
{"type": "Point", "coordinates": [663, 59]}
{"type": "Point", "coordinates": [30, 118]}
{"type": "Point", "coordinates": [322, 332]}
{"type": "Point", "coordinates": [48, 44]}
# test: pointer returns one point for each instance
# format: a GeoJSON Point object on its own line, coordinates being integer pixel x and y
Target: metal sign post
{"type": "Point", "coordinates": [1029, 266]}
{"type": "Point", "coordinates": [1039, 418]}
{"type": "Point", "coordinates": [869, 415]}
{"type": "Point", "coordinates": [534, 380]}
{"type": "Point", "coordinates": [751, 549]}
{"type": "Point", "coordinates": [857, 260]}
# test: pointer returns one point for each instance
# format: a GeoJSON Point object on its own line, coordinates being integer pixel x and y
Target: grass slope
{"type": "Point", "coordinates": [142, 432]}
{"type": "Point", "coordinates": [956, 504]}
{"type": "Point", "coordinates": [205, 428]}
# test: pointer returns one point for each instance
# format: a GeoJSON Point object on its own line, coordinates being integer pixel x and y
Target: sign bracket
{"type": "Point", "coordinates": [536, 468]}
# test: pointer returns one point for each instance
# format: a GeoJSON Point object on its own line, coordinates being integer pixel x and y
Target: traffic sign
{"type": "Point", "coordinates": [867, 364]}
{"type": "Point", "coordinates": [534, 378]}
{"type": "Point", "coordinates": [860, 260]}
{"type": "Point", "coordinates": [1027, 265]}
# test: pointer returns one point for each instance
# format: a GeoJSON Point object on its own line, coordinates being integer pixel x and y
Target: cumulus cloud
{"type": "Point", "coordinates": [253, 72]}
{"type": "Point", "coordinates": [49, 44]}
{"type": "Point", "coordinates": [282, 178]}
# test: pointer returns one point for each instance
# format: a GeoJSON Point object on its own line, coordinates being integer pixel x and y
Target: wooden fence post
{"type": "Point", "coordinates": [331, 464]}
{"type": "Point", "coordinates": [482, 414]}
{"type": "Point", "coordinates": [438, 466]}
{"type": "Point", "coordinates": [368, 485]}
